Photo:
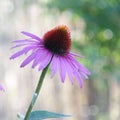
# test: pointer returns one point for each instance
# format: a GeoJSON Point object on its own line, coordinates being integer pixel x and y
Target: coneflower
{"type": "Point", "coordinates": [54, 47]}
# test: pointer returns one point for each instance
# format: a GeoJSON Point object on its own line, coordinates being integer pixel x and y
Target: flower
{"type": "Point", "coordinates": [2, 88]}
{"type": "Point", "coordinates": [54, 47]}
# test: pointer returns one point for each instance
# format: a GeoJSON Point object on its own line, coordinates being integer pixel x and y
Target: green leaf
{"type": "Point", "coordinates": [40, 115]}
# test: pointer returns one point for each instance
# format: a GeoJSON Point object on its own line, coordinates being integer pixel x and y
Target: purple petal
{"type": "Point", "coordinates": [29, 59]}
{"type": "Point", "coordinates": [62, 68]}
{"type": "Point", "coordinates": [19, 45]}
{"type": "Point", "coordinates": [23, 51]}
{"type": "Point", "coordinates": [46, 61]}
{"type": "Point", "coordinates": [79, 70]}
{"type": "Point", "coordinates": [77, 55]}
{"type": "Point", "coordinates": [84, 75]}
{"type": "Point", "coordinates": [27, 44]}
{"type": "Point", "coordinates": [25, 40]}
{"type": "Point", "coordinates": [83, 69]}
{"type": "Point", "coordinates": [41, 56]}
{"type": "Point", "coordinates": [75, 71]}
{"type": "Point", "coordinates": [69, 69]}
{"type": "Point", "coordinates": [54, 65]}
{"type": "Point", "coordinates": [2, 88]}
{"type": "Point", "coordinates": [31, 35]}
{"type": "Point", "coordinates": [37, 59]}
{"type": "Point", "coordinates": [79, 66]}
{"type": "Point", "coordinates": [78, 77]}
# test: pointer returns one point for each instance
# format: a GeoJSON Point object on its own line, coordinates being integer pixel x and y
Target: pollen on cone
{"type": "Point", "coordinates": [58, 40]}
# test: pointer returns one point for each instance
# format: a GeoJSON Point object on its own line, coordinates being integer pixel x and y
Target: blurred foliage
{"type": "Point", "coordinates": [102, 31]}
{"type": "Point", "coordinates": [101, 44]}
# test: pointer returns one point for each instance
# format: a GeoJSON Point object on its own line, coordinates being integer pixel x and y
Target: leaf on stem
{"type": "Point", "coordinates": [40, 115]}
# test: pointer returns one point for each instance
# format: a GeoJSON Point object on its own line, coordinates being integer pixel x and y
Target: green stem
{"type": "Point", "coordinates": [36, 92]}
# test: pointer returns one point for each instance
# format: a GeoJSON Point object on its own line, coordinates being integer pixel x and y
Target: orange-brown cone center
{"type": "Point", "coordinates": [58, 40]}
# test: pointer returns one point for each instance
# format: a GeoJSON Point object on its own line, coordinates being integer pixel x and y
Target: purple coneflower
{"type": "Point", "coordinates": [54, 47]}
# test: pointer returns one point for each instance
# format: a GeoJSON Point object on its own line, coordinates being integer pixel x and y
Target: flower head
{"type": "Point", "coordinates": [58, 40]}
{"type": "Point", "coordinates": [55, 47]}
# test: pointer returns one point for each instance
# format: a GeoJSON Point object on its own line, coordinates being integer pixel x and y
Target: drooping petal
{"type": "Point", "coordinates": [76, 55]}
{"type": "Point", "coordinates": [69, 69]}
{"type": "Point", "coordinates": [79, 70]}
{"type": "Point", "coordinates": [78, 77]}
{"type": "Point", "coordinates": [46, 61]}
{"type": "Point", "coordinates": [19, 45]}
{"type": "Point", "coordinates": [29, 59]}
{"type": "Point", "coordinates": [37, 59]}
{"type": "Point", "coordinates": [17, 54]}
{"type": "Point", "coordinates": [83, 69]}
{"type": "Point", "coordinates": [31, 35]}
{"type": "Point", "coordinates": [25, 40]}
{"type": "Point", "coordinates": [54, 65]}
{"type": "Point", "coordinates": [27, 44]}
{"type": "Point", "coordinates": [41, 55]}
{"type": "Point", "coordinates": [62, 67]}
{"type": "Point", "coordinates": [84, 75]}
{"type": "Point", "coordinates": [23, 51]}
{"type": "Point", "coordinates": [79, 66]}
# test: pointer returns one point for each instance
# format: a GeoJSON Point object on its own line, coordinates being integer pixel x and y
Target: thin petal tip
{"type": "Point", "coordinates": [81, 87]}
{"type": "Point", "coordinates": [11, 58]}
{"type": "Point", "coordinates": [2, 88]}
{"type": "Point", "coordinates": [23, 32]}
{"type": "Point", "coordinates": [22, 66]}
{"type": "Point", "coordinates": [88, 72]}
{"type": "Point", "coordinates": [63, 81]}
{"type": "Point", "coordinates": [33, 66]}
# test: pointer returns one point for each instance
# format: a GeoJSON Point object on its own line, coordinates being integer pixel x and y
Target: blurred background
{"type": "Point", "coordinates": [95, 33]}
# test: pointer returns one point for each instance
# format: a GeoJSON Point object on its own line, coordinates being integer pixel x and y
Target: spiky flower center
{"type": "Point", "coordinates": [58, 40]}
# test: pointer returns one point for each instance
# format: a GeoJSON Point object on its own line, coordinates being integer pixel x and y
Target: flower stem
{"type": "Point", "coordinates": [36, 93]}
